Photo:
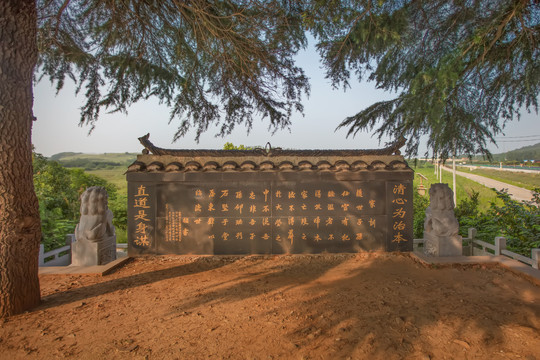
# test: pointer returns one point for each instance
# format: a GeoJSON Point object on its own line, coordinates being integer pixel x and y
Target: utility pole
{"type": "Point", "coordinates": [454, 173]}
{"type": "Point", "coordinates": [436, 163]}
{"type": "Point", "coordinates": [454, 178]}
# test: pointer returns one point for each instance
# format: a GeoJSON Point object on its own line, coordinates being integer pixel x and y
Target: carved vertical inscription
{"type": "Point", "coordinates": [173, 227]}
{"type": "Point", "coordinates": [141, 216]}
{"type": "Point", "coordinates": [400, 216]}
{"type": "Point", "coordinates": [260, 217]}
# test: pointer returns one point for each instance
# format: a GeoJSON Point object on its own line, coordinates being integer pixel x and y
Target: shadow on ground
{"type": "Point", "coordinates": [340, 306]}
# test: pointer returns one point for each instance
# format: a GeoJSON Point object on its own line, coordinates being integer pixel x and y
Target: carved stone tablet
{"type": "Point", "coordinates": [268, 201]}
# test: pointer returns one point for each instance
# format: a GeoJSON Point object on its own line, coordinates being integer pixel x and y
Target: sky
{"type": "Point", "coordinates": [57, 127]}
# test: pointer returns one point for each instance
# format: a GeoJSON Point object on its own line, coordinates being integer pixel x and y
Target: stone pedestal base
{"type": "Point", "coordinates": [87, 253]}
{"type": "Point", "coordinates": [442, 245]}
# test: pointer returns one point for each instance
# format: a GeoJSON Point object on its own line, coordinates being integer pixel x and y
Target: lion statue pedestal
{"type": "Point", "coordinates": [441, 227]}
{"type": "Point", "coordinates": [95, 235]}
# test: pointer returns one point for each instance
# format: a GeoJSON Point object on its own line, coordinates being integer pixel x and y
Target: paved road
{"type": "Point", "coordinates": [515, 192]}
{"type": "Point", "coordinates": [503, 169]}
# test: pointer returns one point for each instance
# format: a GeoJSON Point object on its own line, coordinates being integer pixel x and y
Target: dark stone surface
{"type": "Point", "coordinates": [269, 212]}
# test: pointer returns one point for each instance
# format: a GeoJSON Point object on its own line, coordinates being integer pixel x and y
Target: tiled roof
{"type": "Point", "coordinates": [175, 166]}
{"type": "Point", "coordinates": [268, 159]}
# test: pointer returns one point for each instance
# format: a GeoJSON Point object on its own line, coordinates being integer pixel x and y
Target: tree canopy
{"type": "Point", "coordinates": [231, 146]}
{"type": "Point", "coordinates": [215, 62]}
{"type": "Point", "coordinates": [461, 68]}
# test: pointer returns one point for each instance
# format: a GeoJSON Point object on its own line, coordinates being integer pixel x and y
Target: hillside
{"type": "Point", "coordinates": [531, 152]}
{"type": "Point", "coordinates": [94, 161]}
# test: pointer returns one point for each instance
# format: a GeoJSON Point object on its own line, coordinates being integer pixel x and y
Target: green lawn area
{"type": "Point", "coordinates": [465, 187]}
{"type": "Point", "coordinates": [521, 179]}
{"type": "Point", "coordinates": [114, 176]}
{"type": "Point", "coordinates": [116, 157]}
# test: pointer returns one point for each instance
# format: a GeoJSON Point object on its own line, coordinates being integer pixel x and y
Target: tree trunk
{"type": "Point", "coordinates": [19, 212]}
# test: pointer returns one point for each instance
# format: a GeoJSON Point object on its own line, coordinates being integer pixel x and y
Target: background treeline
{"type": "Point", "coordinates": [58, 190]}
{"type": "Point", "coordinates": [531, 152]}
{"type": "Point", "coordinates": [94, 161]}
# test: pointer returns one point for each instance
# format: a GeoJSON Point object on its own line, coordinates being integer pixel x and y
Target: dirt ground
{"type": "Point", "coordinates": [361, 306]}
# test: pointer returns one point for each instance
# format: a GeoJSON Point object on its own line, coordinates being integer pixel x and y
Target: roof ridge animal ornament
{"type": "Point", "coordinates": [149, 147]}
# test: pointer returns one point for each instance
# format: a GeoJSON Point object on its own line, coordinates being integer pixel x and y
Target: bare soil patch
{"type": "Point", "coordinates": [359, 306]}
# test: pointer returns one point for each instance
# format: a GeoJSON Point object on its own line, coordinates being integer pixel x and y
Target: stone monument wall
{"type": "Point", "coordinates": [269, 202]}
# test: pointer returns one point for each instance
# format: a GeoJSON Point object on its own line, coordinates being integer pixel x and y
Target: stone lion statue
{"type": "Point", "coordinates": [96, 218]}
{"type": "Point", "coordinates": [440, 218]}
{"type": "Point", "coordinates": [441, 227]}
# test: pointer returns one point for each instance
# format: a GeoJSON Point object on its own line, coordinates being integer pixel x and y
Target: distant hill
{"type": "Point", "coordinates": [531, 152]}
{"type": "Point", "coordinates": [94, 161]}
{"type": "Point", "coordinates": [57, 157]}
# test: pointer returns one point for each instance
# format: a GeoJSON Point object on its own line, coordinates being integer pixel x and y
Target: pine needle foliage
{"type": "Point", "coordinates": [461, 69]}
{"type": "Point", "coordinates": [215, 63]}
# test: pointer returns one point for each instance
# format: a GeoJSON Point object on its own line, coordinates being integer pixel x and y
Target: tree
{"type": "Point", "coordinates": [231, 146]}
{"type": "Point", "coordinates": [462, 68]}
{"type": "Point", "coordinates": [519, 221]}
{"type": "Point", "coordinates": [215, 62]}
{"type": "Point", "coordinates": [19, 216]}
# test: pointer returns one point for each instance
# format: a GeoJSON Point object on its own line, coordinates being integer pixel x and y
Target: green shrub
{"type": "Point", "coordinates": [519, 222]}
{"type": "Point", "coordinates": [58, 190]}
{"type": "Point", "coordinates": [118, 206]}
{"type": "Point", "coordinates": [420, 204]}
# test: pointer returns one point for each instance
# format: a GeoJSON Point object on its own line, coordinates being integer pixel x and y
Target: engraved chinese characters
{"type": "Point", "coordinates": [273, 218]}
{"type": "Point", "coordinates": [400, 215]}
{"type": "Point", "coordinates": [142, 218]}
{"type": "Point", "coordinates": [265, 217]}
{"type": "Point", "coordinates": [269, 202]}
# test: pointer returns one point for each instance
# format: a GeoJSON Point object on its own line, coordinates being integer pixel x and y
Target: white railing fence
{"type": "Point", "coordinates": [476, 247]}
{"type": "Point", "coordinates": [57, 257]}
{"type": "Point", "coordinates": [62, 255]}
{"type": "Point", "coordinates": [471, 247]}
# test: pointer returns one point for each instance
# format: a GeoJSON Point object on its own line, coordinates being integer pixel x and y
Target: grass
{"type": "Point", "coordinates": [117, 157]}
{"type": "Point", "coordinates": [121, 236]}
{"type": "Point", "coordinates": [465, 187]}
{"type": "Point", "coordinates": [521, 179]}
{"type": "Point", "coordinates": [90, 162]}
{"type": "Point", "coordinates": [114, 176]}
